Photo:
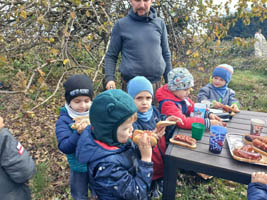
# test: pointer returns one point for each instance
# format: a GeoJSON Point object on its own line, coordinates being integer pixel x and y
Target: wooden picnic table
{"type": "Point", "coordinates": [202, 160]}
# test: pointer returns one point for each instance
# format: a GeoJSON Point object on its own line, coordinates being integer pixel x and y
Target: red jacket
{"type": "Point", "coordinates": [177, 107]}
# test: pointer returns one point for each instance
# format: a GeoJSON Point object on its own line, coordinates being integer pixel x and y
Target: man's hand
{"type": "Point", "coordinates": [111, 85]}
{"type": "Point", "coordinates": [1, 122]}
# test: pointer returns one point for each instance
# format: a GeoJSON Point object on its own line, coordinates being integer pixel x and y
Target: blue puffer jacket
{"type": "Point", "coordinates": [67, 140]}
{"type": "Point", "coordinates": [257, 191]}
{"type": "Point", "coordinates": [115, 173]}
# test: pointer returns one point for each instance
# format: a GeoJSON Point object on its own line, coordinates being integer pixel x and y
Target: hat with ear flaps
{"type": "Point", "coordinates": [108, 111]}
{"type": "Point", "coordinates": [223, 71]}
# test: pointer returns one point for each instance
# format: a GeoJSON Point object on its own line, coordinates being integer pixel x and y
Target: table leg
{"type": "Point", "coordinates": [170, 178]}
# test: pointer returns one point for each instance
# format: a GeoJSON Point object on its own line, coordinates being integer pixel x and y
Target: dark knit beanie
{"type": "Point", "coordinates": [78, 85]}
{"type": "Point", "coordinates": [108, 111]}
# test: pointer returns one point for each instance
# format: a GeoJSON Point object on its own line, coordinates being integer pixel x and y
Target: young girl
{"type": "Point", "coordinates": [217, 91]}
{"type": "Point", "coordinates": [141, 90]}
{"type": "Point", "coordinates": [78, 95]}
{"type": "Point", "coordinates": [117, 168]}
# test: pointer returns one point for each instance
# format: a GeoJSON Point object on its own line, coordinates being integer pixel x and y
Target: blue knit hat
{"type": "Point", "coordinates": [180, 79]}
{"type": "Point", "coordinates": [108, 111]}
{"type": "Point", "coordinates": [223, 71]}
{"type": "Point", "coordinates": [139, 84]}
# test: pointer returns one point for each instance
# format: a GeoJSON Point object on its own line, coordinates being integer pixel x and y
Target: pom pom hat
{"type": "Point", "coordinates": [139, 84]}
{"type": "Point", "coordinates": [78, 85]}
{"type": "Point", "coordinates": [108, 111]}
{"type": "Point", "coordinates": [180, 79]}
{"type": "Point", "coordinates": [223, 71]}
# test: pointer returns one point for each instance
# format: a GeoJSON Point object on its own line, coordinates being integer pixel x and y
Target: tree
{"type": "Point", "coordinates": [39, 37]}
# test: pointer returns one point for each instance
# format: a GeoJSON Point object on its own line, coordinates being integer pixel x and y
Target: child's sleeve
{"type": "Point", "coordinates": [14, 159]}
{"type": "Point", "coordinates": [123, 184]}
{"type": "Point", "coordinates": [257, 191]}
{"type": "Point", "coordinates": [232, 100]}
{"type": "Point", "coordinates": [67, 138]}
{"type": "Point", "coordinates": [203, 94]}
{"type": "Point", "coordinates": [169, 108]}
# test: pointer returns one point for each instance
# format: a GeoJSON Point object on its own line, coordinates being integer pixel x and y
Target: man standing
{"type": "Point", "coordinates": [141, 37]}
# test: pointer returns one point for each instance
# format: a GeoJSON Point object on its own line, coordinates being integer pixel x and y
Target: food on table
{"type": "Point", "coordinates": [259, 143]}
{"type": "Point", "coordinates": [79, 121]}
{"type": "Point", "coordinates": [246, 155]}
{"type": "Point", "coordinates": [138, 134]}
{"type": "Point", "coordinates": [165, 123]}
{"type": "Point", "coordinates": [184, 140]}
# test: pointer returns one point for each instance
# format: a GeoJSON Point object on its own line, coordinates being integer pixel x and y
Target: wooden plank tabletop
{"type": "Point", "coordinates": [202, 160]}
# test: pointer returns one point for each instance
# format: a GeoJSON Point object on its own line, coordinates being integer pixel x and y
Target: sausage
{"type": "Point", "coordinates": [259, 144]}
{"type": "Point", "coordinates": [247, 155]}
{"type": "Point", "coordinates": [185, 138]}
{"type": "Point", "coordinates": [247, 148]}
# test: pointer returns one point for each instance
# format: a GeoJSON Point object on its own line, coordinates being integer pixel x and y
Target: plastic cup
{"type": "Point", "coordinates": [199, 110]}
{"type": "Point", "coordinates": [217, 138]}
{"type": "Point", "coordinates": [197, 130]}
{"type": "Point", "coordinates": [256, 126]}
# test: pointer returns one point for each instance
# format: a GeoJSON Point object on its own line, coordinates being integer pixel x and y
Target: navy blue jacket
{"type": "Point", "coordinates": [143, 43]}
{"type": "Point", "coordinates": [257, 191]}
{"type": "Point", "coordinates": [115, 172]}
{"type": "Point", "coordinates": [67, 140]}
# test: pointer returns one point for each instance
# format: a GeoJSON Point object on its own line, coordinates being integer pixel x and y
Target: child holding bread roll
{"type": "Point", "coordinates": [148, 116]}
{"type": "Point", "coordinates": [174, 100]}
{"type": "Point", "coordinates": [117, 168]}
{"type": "Point", "coordinates": [78, 96]}
{"type": "Point", "coordinates": [217, 92]}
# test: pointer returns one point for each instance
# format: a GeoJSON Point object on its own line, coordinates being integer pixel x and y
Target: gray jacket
{"type": "Point", "coordinates": [207, 92]}
{"type": "Point", "coordinates": [16, 168]}
{"type": "Point", "coordinates": [144, 47]}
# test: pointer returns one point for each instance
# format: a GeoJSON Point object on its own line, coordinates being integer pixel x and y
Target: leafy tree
{"type": "Point", "coordinates": [41, 37]}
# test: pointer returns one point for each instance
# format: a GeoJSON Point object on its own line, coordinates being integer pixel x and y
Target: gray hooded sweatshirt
{"type": "Point", "coordinates": [16, 168]}
{"type": "Point", "coordinates": [143, 43]}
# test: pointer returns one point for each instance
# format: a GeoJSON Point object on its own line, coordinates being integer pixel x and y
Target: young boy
{"type": "Point", "coordinates": [173, 99]}
{"type": "Point", "coordinates": [217, 91]}
{"type": "Point", "coordinates": [117, 169]}
{"type": "Point", "coordinates": [78, 95]}
{"type": "Point", "coordinates": [141, 90]}
{"type": "Point", "coordinates": [257, 189]}
{"type": "Point", "coordinates": [16, 167]}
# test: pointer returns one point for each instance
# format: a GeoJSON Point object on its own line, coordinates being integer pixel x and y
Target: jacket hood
{"type": "Point", "coordinates": [89, 150]}
{"type": "Point", "coordinates": [164, 93]}
{"type": "Point", "coordinates": [152, 15]}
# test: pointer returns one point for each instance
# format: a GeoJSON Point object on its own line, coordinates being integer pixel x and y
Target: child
{"type": "Point", "coordinates": [173, 99]}
{"type": "Point", "coordinates": [16, 167]}
{"type": "Point", "coordinates": [257, 189]}
{"type": "Point", "coordinates": [141, 90]}
{"type": "Point", "coordinates": [78, 95]}
{"type": "Point", "coordinates": [117, 169]}
{"type": "Point", "coordinates": [217, 92]}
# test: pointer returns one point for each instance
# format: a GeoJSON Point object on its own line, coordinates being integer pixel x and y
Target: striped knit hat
{"type": "Point", "coordinates": [223, 71]}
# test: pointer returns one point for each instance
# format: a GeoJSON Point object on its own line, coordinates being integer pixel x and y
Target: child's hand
{"type": "Point", "coordinates": [216, 104]}
{"type": "Point", "coordinates": [145, 148]}
{"type": "Point", "coordinates": [175, 119]}
{"type": "Point", "coordinates": [1, 122]}
{"type": "Point", "coordinates": [215, 117]}
{"type": "Point", "coordinates": [259, 177]}
{"type": "Point", "coordinates": [159, 131]}
{"type": "Point", "coordinates": [81, 127]}
{"type": "Point", "coordinates": [216, 122]}
{"type": "Point", "coordinates": [235, 107]}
